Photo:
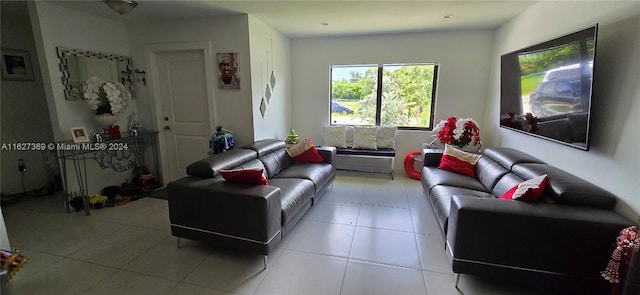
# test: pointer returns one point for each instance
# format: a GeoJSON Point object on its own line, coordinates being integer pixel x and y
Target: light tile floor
{"type": "Point", "coordinates": [365, 236]}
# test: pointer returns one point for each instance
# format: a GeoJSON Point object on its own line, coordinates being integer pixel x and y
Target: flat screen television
{"type": "Point", "coordinates": [545, 89]}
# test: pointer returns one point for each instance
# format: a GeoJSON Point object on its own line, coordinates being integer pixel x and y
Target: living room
{"type": "Point", "coordinates": [302, 68]}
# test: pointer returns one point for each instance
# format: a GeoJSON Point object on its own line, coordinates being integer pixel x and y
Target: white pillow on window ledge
{"type": "Point", "coordinates": [364, 138]}
{"type": "Point", "coordinates": [335, 136]}
{"type": "Point", "coordinates": [386, 138]}
{"type": "Point", "coordinates": [349, 134]}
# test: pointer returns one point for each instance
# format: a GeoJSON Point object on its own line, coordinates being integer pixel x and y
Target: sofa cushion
{"type": "Point", "coordinates": [294, 194]}
{"type": "Point", "coordinates": [459, 161]}
{"type": "Point", "coordinates": [489, 172]}
{"type": "Point", "coordinates": [210, 167]}
{"type": "Point", "coordinates": [276, 161]}
{"type": "Point", "coordinates": [432, 176]}
{"type": "Point", "coordinates": [375, 153]}
{"type": "Point", "coordinates": [319, 173]}
{"type": "Point", "coordinates": [251, 176]}
{"type": "Point", "coordinates": [440, 198]}
{"type": "Point", "coordinates": [527, 191]}
{"type": "Point", "coordinates": [566, 188]}
{"type": "Point", "coordinates": [505, 183]}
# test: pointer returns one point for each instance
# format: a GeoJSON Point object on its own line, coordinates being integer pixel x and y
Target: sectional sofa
{"type": "Point", "coordinates": [205, 207]}
{"type": "Point", "coordinates": [562, 241]}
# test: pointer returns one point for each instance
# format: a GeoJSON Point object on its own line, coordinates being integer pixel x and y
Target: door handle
{"type": "Point", "coordinates": [167, 128]}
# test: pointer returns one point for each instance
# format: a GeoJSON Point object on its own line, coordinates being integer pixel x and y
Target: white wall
{"type": "Point", "coordinates": [25, 117]}
{"type": "Point", "coordinates": [464, 58]}
{"type": "Point", "coordinates": [270, 52]}
{"type": "Point", "coordinates": [55, 25]}
{"type": "Point", "coordinates": [613, 162]}
{"type": "Point", "coordinates": [233, 108]}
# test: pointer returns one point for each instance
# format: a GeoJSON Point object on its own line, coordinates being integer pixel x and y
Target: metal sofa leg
{"type": "Point", "coordinates": [457, 278]}
{"type": "Point", "coordinates": [265, 262]}
{"type": "Point", "coordinates": [178, 240]}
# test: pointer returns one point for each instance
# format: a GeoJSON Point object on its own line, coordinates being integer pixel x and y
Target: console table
{"type": "Point", "coordinates": [120, 155]}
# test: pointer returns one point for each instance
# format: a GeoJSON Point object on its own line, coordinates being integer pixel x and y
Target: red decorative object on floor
{"type": "Point", "coordinates": [408, 165]}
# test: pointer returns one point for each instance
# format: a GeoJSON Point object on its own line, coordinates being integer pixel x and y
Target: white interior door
{"type": "Point", "coordinates": [185, 109]}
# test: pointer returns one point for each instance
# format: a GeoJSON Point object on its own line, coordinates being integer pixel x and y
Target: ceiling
{"type": "Point", "coordinates": [306, 18]}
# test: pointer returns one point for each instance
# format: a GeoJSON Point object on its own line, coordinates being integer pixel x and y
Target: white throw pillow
{"type": "Point", "coordinates": [349, 134]}
{"type": "Point", "coordinates": [335, 136]}
{"type": "Point", "coordinates": [364, 138]}
{"type": "Point", "coordinates": [386, 138]}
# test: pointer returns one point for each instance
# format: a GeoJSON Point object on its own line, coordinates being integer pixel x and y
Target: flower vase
{"type": "Point", "coordinates": [106, 120]}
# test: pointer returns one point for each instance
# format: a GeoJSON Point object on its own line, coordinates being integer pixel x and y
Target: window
{"type": "Point", "coordinates": [401, 95]}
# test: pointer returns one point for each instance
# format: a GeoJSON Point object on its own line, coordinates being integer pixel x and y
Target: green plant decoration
{"type": "Point", "coordinates": [292, 137]}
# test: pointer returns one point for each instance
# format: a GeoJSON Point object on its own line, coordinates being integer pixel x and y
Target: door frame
{"type": "Point", "coordinates": [151, 53]}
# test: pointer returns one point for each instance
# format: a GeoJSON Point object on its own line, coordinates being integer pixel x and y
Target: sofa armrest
{"type": "Point", "coordinates": [539, 236]}
{"type": "Point", "coordinates": [328, 153]}
{"type": "Point", "coordinates": [238, 210]}
{"type": "Point", "coordinates": [431, 157]}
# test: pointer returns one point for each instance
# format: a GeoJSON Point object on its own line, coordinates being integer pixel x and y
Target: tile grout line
{"type": "Point", "coordinates": [346, 266]}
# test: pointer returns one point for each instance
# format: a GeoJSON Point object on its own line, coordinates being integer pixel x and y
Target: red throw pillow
{"type": "Point", "coordinates": [459, 161]}
{"type": "Point", "coordinates": [252, 176]}
{"type": "Point", "coordinates": [309, 156]}
{"type": "Point", "coordinates": [527, 191]}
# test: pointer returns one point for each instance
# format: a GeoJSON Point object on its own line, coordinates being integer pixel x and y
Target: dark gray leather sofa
{"type": "Point", "coordinates": [561, 242]}
{"type": "Point", "coordinates": [205, 207]}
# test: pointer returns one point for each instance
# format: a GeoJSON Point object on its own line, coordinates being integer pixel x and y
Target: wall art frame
{"type": "Point", "coordinates": [16, 65]}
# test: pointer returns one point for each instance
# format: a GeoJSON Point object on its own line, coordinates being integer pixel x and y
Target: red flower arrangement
{"type": "Point", "coordinates": [457, 131]}
{"type": "Point", "coordinates": [526, 122]}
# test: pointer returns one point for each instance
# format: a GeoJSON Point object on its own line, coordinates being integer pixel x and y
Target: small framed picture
{"type": "Point", "coordinates": [79, 135]}
{"type": "Point", "coordinates": [16, 65]}
{"type": "Point", "coordinates": [228, 70]}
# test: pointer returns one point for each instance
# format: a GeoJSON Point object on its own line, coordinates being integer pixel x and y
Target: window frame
{"type": "Point", "coordinates": [379, 85]}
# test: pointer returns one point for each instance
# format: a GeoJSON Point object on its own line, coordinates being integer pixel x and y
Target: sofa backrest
{"type": "Point", "coordinates": [273, 155]}
{"type": "Point", "coordinates": [566, 188]}
{"type": "Point", "coordinates": [265, 146]}
{"type": "Point", "coordinates": [562, 187]}
{"type": "Point", "coordinates": [507, 157]}
{"type": "Point", "coordinates": [276, 161]}
{"type": "Point", "coordinates": [253, 164]}
{"type": "Point", "coordinates": [489, 172]}
{"type": "Point", "coordinates": [210, 167]}
{"type": "Point", "coordinates": [505, 183]}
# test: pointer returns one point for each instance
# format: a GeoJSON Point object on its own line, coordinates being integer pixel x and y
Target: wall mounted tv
{"type": "Point", "coordinates": [545, 89]}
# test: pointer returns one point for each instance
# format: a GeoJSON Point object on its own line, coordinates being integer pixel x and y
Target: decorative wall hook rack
{"type": "Point", "coordinates": [126, 76]}
{"type": "Point", "coordinates": [140, 76]}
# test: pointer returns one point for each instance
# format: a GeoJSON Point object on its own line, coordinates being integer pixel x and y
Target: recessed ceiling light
{"type": "Point", "coordinates": [324, 23]}
{"type": "Point", "coordinates": [448, 16]}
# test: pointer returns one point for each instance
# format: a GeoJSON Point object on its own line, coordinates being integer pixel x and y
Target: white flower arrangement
{"type": "Point", "coordinates": [106, 97]}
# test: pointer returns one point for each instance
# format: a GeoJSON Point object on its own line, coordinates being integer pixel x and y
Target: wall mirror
{"type": "Point", "coordinates": [78, 65]}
